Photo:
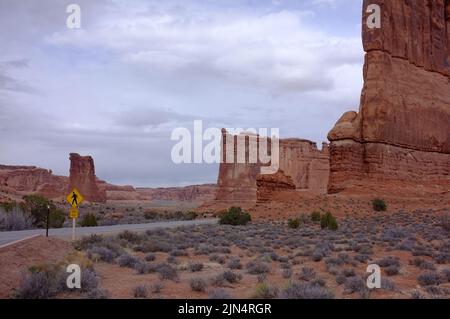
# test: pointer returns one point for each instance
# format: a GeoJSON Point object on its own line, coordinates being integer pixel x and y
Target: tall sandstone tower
{"type": "Point", "coordinates": [402, 131]}
{"type": "Point", "coordinates": [82, 177]}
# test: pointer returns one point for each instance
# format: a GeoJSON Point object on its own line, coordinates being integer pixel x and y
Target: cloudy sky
{"type": "Point", "coordinates": [116, 88]}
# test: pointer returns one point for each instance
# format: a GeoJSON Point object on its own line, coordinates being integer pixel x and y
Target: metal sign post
{"type": "Point", "coordinates": [48, 220]}
{"type": "Point", "coordinates": [74, 199]}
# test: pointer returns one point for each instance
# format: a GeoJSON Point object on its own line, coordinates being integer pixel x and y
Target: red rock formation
{"type": "Point", "coordinates": [402, 130]}
{"type": "Point", "coordinates": [267, 185]}
{"type": "Point", "coordinates": [300, 160]}
{"type": "Point", "coordinates": [82, 177]}
{"type": "Point", "coordinates": [23, 180]}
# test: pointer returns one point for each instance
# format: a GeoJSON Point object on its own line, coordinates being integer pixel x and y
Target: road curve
{"type": "Point", "coordinates": [12, 236]}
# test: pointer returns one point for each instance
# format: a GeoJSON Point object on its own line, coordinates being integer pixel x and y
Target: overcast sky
{"type": "Point", "coordinates": [116, 88]}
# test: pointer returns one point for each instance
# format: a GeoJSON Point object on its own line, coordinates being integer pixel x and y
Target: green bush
{"type": "Point", "coordinates": [315, 216]}
{"type": "Point", "coordinates": [9, 206]}
{"type": "Point", "coordinates": [89, 220]}
{"type": "Point", "coordinates": [294, 223]}
{"type": "Point", "coordinates": [328, 221]}
{"type": "Point", "coordinates": [190, 215]}
{"type": "Point", "coordinates": [57, 218]}
{"type": "Point", "coordinates": [235, 216]}
{"type": "Point", "coordinates": [37, 206]}
{"type": "Point", "coordinates": [379, 205]}
{"type": "Point", "coordinates": [150, 214]}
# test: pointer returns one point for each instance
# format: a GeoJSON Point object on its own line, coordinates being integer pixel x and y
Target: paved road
{"type": "Point", "coordinates": [8, 237]}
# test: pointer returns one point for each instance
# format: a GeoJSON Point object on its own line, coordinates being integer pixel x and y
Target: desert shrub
{"type": "Point", "coordinates": [178, 253]}
{"type": "Point", "coordinates": [167, 272]}
{"type": "Point", "coordinates": [348, 272]}
{"type": "Point", "coordinates": [356, 284]}
{"type": "Point", "coordinates": [37, 285]}
{"type": "Point", "coordinates": [150, 257]}
{"type": "Point", "coordinates": [235, 217]}
{"type": "Point", "coordinates": [154, 246]}
{"type": "Point", "coordinates": [151, 215]}
{"type": "Point", "coordinates": [392, 270]}
{"type": "Point", "coordinates": [217, 280]}
{"type": "Point", "coordinates": [172, 260]}
{"type": "Point", "coordinates": [317, 255]}
{"type": "Point", "coordinates": [445, 274]}
{"type": "Point", "coordinates": [234, 263]}
{"type": "Point", "coordinates": [198, 284]}
{"type": "Point", "coordinates": [56, 218]}
{"type": "Point", "coordinates": [157, 287]}
{"type": "Point", "coordinates": [294, 223]}
{"type": "Point", "coordinates": [89, 220]}
{"type": "Point", "coordinates": [256, 267]}
{"type": "Point", "coordinates": [265, 291]}
{"type": "Point", "coordinates": [217, 258]}
{"type": "Point", "coordinates": [89, 280]}
{"type": "Point", "coordinates": [445, 222]}
{"type": "Point", "coordinates": [417, 295]}
{"type": "Point", "coordinates": [388, 284]}
{"type": "Point", "coordinates": [306, 291]}
{"type": "Point", "coordinates": [88, 241]}
{"type": "Point", "coordinates": [430, 278]}
{"type": "Point", "coordinates": [190, 215]}
{"type": "Point", "coordinates": [143, 268]}
{"type": "Point", "coordinates": [195, 267]}
{"type": "Point", "coordinates": [315, 217]}
{"type": "Point", "coordinates": [101, 253]}
{"type": "Point", "coordinates": [307, 274]}
{"type": "Point", "coordinates": [341, 279]}
{"type": "Point", "coordinates": [441, 258]}
{"type": "Point", "coordinates": [140, 291]}
{"type": "Point", "coordinates": [219, 294]}
{"type": "Point", "coordinates": [126, 260]}
{"type": "Point", "coordinates": [15, 219]}
{"type": "Point", "coordinates": [422, 264]}
{"type": "Point", "coordinates": [231, 277]}
{"type": "Point", "coordinates": [98, 294]}
{"type": "Point", "coordinates": [130, 237]}
{"type": "Point", "coordinates": [328, 221]}
{"type": "Point", "coordinates": [388, 261]}
{"type": "Point", "coordinates": [379, 205]}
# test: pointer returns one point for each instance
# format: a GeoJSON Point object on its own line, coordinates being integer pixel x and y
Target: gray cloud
{"type": "Point", "coordinates": [137, 70]}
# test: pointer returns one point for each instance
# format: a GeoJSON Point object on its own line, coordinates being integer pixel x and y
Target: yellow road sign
{"type": "Point", "coordinates": [73, 212]}
{"type": "Point", "coordinates": [74, 198]}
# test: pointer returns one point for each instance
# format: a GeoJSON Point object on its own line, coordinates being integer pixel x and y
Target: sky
{"type": "Point", "coordinates": [117, 87]}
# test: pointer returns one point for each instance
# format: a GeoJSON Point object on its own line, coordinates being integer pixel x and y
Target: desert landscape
{"type": "Point", "coordinates": [377, 193]}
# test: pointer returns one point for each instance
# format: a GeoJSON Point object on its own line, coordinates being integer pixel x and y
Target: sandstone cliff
{"type": "Point", "coordinates": [402, 131]}
{"type": "Point", "coordinates": [300, 161]}
{"type": "Point", "coordinates": [82, 177]}
{"type": "Point", "coordinates": [23, 180]}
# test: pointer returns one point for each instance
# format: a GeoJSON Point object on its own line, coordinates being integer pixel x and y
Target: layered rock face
{"type": "Point", "coordinates": [23, 180]}
{"type": "Point", "coordinates": [268, 185]}
{"type": "Point", "coordinates": [82, 177]}
{"type": "Point", "coordinates": [402, 130]}
{"type": "Point", "coordinates": [302, 166]}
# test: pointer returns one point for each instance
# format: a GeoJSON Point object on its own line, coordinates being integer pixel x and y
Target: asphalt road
{"type": "Point", "coordinates": [12, 236]}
